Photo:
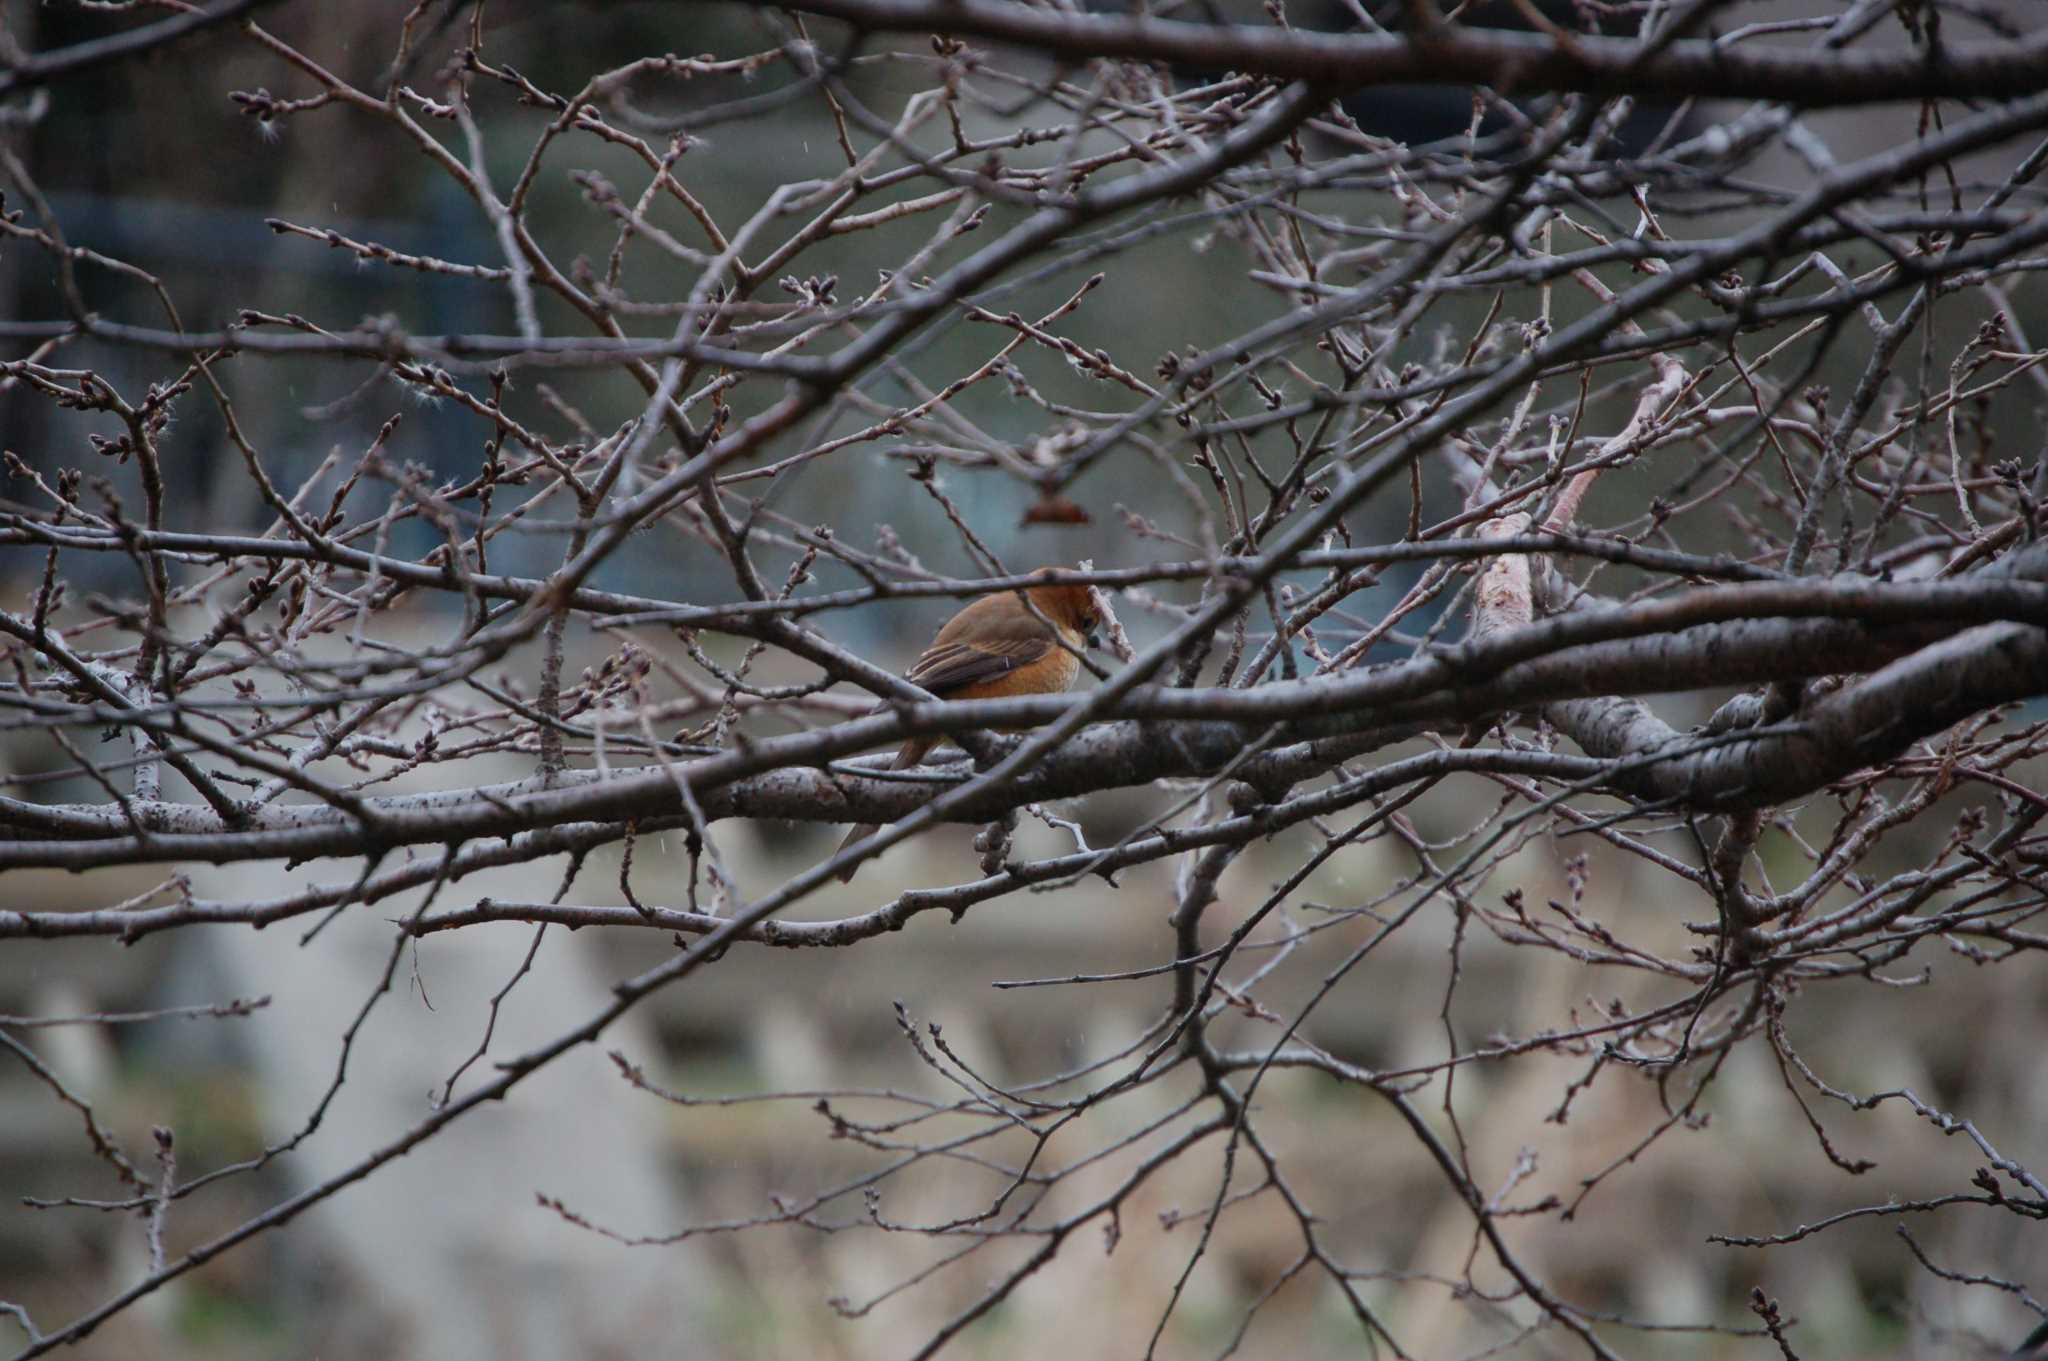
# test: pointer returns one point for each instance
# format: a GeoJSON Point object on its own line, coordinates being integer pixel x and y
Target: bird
{"type": "Point", "coordinates": [997, 647]}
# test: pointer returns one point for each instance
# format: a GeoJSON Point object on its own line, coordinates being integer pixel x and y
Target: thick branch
{"type": "Point", "coordinates": [1513, 63]}
{"type": "Point", "coordinates": [1576, 656]}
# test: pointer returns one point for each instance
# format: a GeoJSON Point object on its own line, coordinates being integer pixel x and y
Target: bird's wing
{"type": "Point", "coordinates": [949, 667]}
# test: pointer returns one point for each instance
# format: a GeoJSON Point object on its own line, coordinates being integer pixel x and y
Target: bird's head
{"type": "Point", "coordinates": [1070, 607]}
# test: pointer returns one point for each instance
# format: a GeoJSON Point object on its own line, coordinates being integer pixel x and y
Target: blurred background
{"type": "Point", "coordinates": [447, 1255]}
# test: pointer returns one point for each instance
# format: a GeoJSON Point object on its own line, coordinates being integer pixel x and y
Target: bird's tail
{"type": "Point", "coordinates": [908, 755]}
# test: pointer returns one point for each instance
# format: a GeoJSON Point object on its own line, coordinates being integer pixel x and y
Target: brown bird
{"type": "Point", "coordinates": [995, 648]}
